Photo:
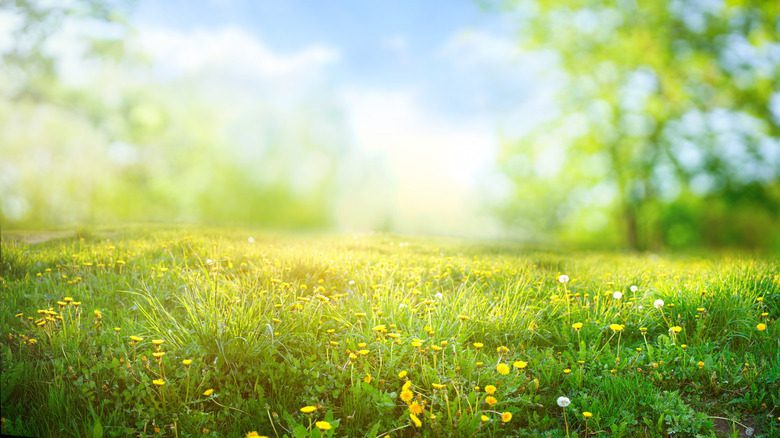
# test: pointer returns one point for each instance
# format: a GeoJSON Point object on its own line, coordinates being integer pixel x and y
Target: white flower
{"type": "Point", "coordinates": [439, 296]}
{"type": "Point", "coordinates": [563, 278]}
{"type": "Point", "coordinates": [401, 306]}
{"type": "Point", "coordinates": [633, 288]}
{"type": "Point", "coordinates": [251, 239]}
{"type": "Point", "coordinates": [351, 282]}
{"type": "Point", "coordinates": [617, 295]}
{"type": "Point", "coordinates": [658, 304]}
{"type": "Point", "coordinates": [209, 262]}
{"type": "Point", "coordinates": [563, 401]}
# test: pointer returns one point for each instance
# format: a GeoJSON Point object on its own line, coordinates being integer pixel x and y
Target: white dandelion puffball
{"type": "Point", "coordinates": [563, 278]}
{"type": "Point", "coordinates": [658, 304]}
{"type": "Point", "coordinates": [633, 288]}
{"type": "Point", "coordinates": [351, 282]}
{"type": "Point", "coordinates": [617, 295]}
{"type": "Point", "coordinates": [250, 239]}
{"type": "Point", "coordinates": [563, 401]}
{"type": "Point", "coordinates": [439, 296]}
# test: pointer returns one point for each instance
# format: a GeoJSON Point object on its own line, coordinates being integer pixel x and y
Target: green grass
{"type": "Point", "coordinates": [270, 325]}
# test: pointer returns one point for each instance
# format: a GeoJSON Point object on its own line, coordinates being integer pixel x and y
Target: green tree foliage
{"type": "Point", "coordinates": [668, 127]}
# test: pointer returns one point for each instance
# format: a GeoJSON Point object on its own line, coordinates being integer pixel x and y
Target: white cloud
{"type": "Point", "coordinates": [433, 163]}
{"type": "Point", "coordinates": [229, 48]}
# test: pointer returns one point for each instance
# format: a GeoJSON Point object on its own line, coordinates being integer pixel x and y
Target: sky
{"type": "Point", "coordinates": [424, 88]}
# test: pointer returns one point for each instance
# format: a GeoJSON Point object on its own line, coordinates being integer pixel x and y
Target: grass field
{"type": "Point", "coordinates": [214, 333]}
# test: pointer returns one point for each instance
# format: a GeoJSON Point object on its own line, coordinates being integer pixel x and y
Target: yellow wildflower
{"type": "Point", "coordinates": [308, 409]}
{"type": "Point", "coordinates": [502, 369]}
{"type": "Point", "coordinates": [323, 425]}
{"type": "Point", "coordinates": [506, 417]}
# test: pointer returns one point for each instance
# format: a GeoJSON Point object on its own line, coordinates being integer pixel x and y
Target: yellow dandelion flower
{"type": "Point", "coordinates": [576, 326]}
{"type": "Point", "coordinates": [136, 338]}
{"type": "Point", "coordinates": [566, 371]}
{"type": "Point", "coordinates": [490, 400]}
{"type": "Point", "coordinates": [587, 414]}
{"type": "Point", "coordinates": [208, 392]}
{"type": "Point", "coordinates": [676, 329]}
{"type": "Point", "coordinates": [438, 386]}
{"type": "Point", "coordinates": [368, 378]}
{"type": "Point", "coordinates": [158, 341]}
{"type": "Point", "coordinates": [415, 420]}
{"type": "Point", "coordinates": [502, 350]}
{"type": "Point", "coordinates": [407, 385]}
{"type": "Point", "coordinates": [308, 409]}
{"type": "Point", "coordinates": [478, 345]}
{"type": "Point", "coordinates": [158, 354]}
{"type": "Point", "coordinates": [490, 389]}
{"type": "Point", "coordinates": [484, 418]}
{"type": "Point", "coordinates": [415, 408]}
{"type": "Point", "coordinates": [323, 425]}
{"type": "Point", "coordinates": [407, 395]}
{"type": "Point", "coordinates": [363, 352]}
{"type": "Point", "coordinates": [506, 417]}
{"type": "Point", "coordinates": [187, 362]}
{"type": "Point", "coordinates": [761, 327]}
{"type": "Point", "coordinates": [502, 369]}
{"type": "Point", "coordinates": [158, 382]}
{"type": "Point", "coordinates": [402, 374]}
{"type": "Point", "coordinates": [616, 327]}
{"type": "Point", "coordinates": [700, 364]}
{"type": "Point", "coordinates": [520, 364]}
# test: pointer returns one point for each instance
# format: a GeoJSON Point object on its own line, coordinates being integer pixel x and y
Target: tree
{"type": "Point", "coordinates": [668, 119]}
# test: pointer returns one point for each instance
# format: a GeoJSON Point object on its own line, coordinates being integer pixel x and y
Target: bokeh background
{"type": "Point", "coordinates": [651, 125]}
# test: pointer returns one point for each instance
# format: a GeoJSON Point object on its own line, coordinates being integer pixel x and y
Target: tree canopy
{"type": "Point", "coordinates": [668, 127]}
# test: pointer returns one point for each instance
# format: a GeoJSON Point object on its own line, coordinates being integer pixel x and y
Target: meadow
{"type": "Point", "coordinates": [201, 332]}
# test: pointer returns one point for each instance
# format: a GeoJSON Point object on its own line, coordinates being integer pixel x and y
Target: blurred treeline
{"type": "Point", "coordinates": [668, 132]}
{"type": "Point", "coordinates": [122, 142]}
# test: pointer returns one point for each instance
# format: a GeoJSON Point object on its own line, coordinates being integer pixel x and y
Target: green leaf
{"type": "Point", "coordinates": [97, 429]}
